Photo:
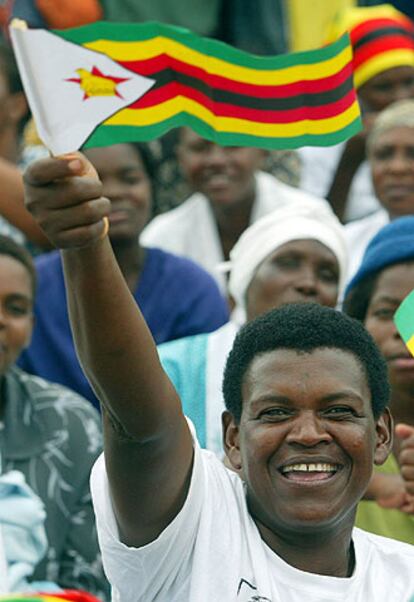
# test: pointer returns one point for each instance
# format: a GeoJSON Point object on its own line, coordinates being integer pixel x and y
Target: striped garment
{"type": "Point", "coordinates": [381, 38]}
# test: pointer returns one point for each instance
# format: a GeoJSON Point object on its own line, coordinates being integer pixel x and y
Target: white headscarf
{"type": "Point", "coordinates": [300, 220]}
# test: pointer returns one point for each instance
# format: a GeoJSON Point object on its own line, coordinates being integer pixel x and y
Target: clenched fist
{"type": "Point", "coordinates": [64, 195]}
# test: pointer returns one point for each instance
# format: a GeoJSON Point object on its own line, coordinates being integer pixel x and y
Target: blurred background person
{"type": "Point", "coordinates": [390, 150]}
{"type": "Point", "coordinates": [382, 40]}
{"type": "Point", "coordinates": [384, 279]}
{"type": "Point", "coordinates": [15, 220]}
{"type": "Point", "coordinates": [231, 192]}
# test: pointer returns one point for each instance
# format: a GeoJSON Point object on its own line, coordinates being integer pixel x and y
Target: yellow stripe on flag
{"type": "Point", "coordinates": [140, 51]}
{"type": "Point", "coordinates": [179, 104]}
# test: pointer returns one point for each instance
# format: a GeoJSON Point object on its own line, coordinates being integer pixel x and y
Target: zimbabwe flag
{"type": "Point", "coordinates": [68, 595]}
{"type": "Point", "coordinates": [136, 81]}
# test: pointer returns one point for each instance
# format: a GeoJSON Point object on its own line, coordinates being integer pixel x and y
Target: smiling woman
{"type": "Point", "coordinates": [301, 419]}
{"type": "Point", "coordinates": [385, 278]}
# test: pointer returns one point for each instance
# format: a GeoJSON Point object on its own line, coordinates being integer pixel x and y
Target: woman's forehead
{"type": "Point", "coordinates": [325, 371]}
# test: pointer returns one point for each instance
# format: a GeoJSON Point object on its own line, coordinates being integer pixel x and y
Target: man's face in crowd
{"type": "Point", "coordinates": [225, 175]}
{"type": "Point", "coordinates": [307, 439]}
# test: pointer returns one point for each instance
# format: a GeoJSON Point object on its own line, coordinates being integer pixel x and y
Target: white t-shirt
{"type": "Point", "coordinates": [213, 552]}
{"type": "Point", "coordinates": [318, 167]}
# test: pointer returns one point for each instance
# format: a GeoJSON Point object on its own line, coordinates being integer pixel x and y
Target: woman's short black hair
{"type": "Point", "coordinates": [11, 248]}
{"type": "Point", "coordinates": [304, 327]}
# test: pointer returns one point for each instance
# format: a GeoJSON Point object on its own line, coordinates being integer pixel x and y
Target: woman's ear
{"type": "Point", "coordinates": [231, 440]}
{"type": "Point", "coordinates": [385, 436]}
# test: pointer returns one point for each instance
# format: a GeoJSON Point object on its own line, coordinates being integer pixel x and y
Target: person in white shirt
{"type": "Point", "coordinates": [231, 193]}
{"type": "Point", "coordinates": [306, 393]}
{"type": "Point", "coordinates": [390, 149]}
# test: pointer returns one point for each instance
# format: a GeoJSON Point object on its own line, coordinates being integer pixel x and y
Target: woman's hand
{"type": "Point", "coordinates": [406, 455]}
{"type": "Point", "coordinates": [64, 195]}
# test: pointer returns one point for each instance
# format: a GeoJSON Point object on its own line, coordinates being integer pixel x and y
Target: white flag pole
{"type": "Point", "coordinates": [22, 54]}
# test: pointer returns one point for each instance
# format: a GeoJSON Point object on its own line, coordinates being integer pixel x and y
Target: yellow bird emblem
{"type": "Point", "coordinates": [96, 83]}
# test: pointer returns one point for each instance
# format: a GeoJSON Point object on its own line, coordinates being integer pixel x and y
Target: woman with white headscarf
{"type": "Point", "coordinates": [294, 254]}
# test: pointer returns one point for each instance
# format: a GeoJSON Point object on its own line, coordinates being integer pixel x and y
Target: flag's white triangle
{"type": "Point", "coordinates": [64, 117]}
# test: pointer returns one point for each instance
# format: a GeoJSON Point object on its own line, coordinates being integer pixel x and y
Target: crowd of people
{"type": "Point", "coordinates": [211, 402]}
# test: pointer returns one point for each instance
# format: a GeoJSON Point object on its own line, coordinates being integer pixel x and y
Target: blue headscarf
{"type": "Point", "coordinates": [394, 243]}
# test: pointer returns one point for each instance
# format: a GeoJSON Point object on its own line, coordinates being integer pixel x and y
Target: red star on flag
{"type": "Point", "coordinates": [96, 83]}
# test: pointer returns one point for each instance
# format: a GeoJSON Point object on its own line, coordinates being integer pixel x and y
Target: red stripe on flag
{"type": "Point", "coordinates": [156, 97]}
{"type": "Point", "coordinates": [150, 67]}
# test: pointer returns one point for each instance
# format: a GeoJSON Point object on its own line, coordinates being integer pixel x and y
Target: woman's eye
{"type": "Point", "coordinates": [384, 313]}
{"type": "Point", "coordinates": [200, 147]}
{"type": "Point", "coordinates": [132, 177]}
{"type": "Point", "coordinates": [329, 275]}
{"type": "Point", "coordinates": [131, 180]}
{"type": "Point", "coordinates": [275, 414]}
{"type": "Point", "coordinates": [382, 87]}
{"type": "Point", "coordinates": [382, 154]}
{"type": "Point", "coordinates": [18, 310]}
{"type": "Point", "coordinates": [340, 411]}
{"type": "Point", "coordinates": [287, 262]}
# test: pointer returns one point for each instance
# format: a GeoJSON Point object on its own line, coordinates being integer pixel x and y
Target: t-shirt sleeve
{"type": "Point", "coordinates": [139, 573]}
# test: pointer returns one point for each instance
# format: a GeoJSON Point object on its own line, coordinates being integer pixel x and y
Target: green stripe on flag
{"type": "Point", "coordinates": [132, 32]}
{"type": "Point", "coordinates": [105, 135]}
{"type": "Point", "coordinates": [404, 318]}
